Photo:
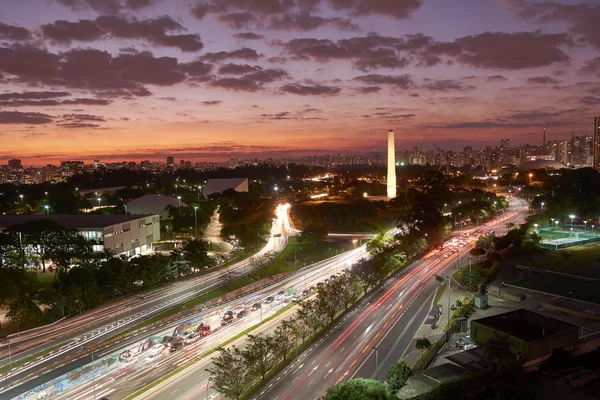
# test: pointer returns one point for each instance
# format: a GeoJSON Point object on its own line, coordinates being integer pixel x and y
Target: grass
{"type": "Point", "coordinates": [43, 280]}
{"type": "Point", "coordinates": [581, 261]}
{"type": "Point", "coordinates": [438, 294]}
{"type": "Point", "coordinates": [31, 357]}
{"type": "Point", "coordinates": [578, 289]}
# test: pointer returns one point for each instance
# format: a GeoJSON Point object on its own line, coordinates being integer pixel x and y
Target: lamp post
{"type": "Point", "coordinates": [593, 229]}
{"type": "Point", "coordinates": [376, 362]}
{"type": "Point", "coordinates": [585, 226]}
{"type": "Point", "coordinates": [179, 201]}
{"type": "Point", "coordinates": [196, 219]}
{"type": "Point", "coordinates": [542, 208]}
{"type": "Point", "coordinates": [46, 194]}
{"type": "Point", "coordinates": [556, 224]}
{"type": "Point", "coordinates": [99, 201]}
{"type": "Point", "coordinates": [47, 209]}
{"type": "Point", "coordinates": [21, 196]}
{"type": "Point", "coordinates": [572, 217]}
{"type": "Point", "coordinates": [295, 259]}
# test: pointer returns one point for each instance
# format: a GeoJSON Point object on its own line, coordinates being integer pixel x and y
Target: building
{"type": "Point", "coordinates": [533, 335]}
{"type": "Point", "coordinates": [597, 143]}
{"type": "Point", "coordinates": [127, 235]}
{"type": "Point", "coordinates": [221, 185]}
{"type": "Point", "coordinates": [153, 204]}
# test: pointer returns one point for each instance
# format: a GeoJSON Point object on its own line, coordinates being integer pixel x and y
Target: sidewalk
{"type": "Point", "coordinates": [425, 331]}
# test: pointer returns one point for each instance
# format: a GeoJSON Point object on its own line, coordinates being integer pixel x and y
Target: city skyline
{"type": "Point", "coordinates": [208, 80]}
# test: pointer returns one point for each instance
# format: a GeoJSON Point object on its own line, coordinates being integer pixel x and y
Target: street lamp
{"type": "Point", "coordinates": [572, 217]}
{"type": "Point", "coordinates": [556, 224]}
{"type": "Point", "coordinates": [47, 209]}
{"type": "Point", "coordinates": [542, 207]}
{"type": "Point", "coordinates": [46, 194]}
{"type": "Point", "coordinates": [21, 196]}
{"type": "Point", "coordinates": [179, 201]}
{"type": "Point", "coordinates": [196, 219]}
{"type": "Point", "coordinates": [99, 201]}
{"type": "Point", "coordinates": [585, 226]}
{"type": "Point", "coordinates": [376, 362]}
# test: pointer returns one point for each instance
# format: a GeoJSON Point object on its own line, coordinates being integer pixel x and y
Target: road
{"type": "Point", "coordinates": [212, 235]}
{"type": "Point", "coordinates": [93, 327]}
{"type": "Point", "coordinates": [130, 376]}
{"type": "Point", "coordinates": [376, 335]}
{"type": "Point", "coordinates": [387, 319]}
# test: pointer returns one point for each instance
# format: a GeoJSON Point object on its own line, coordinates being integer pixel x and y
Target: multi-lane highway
{"type": "Point", "coordinates": [73, 334]}
{"type": "Point", "coordinates": [376, 335]}
{"type": "Point", "coordinates": [387, 320]}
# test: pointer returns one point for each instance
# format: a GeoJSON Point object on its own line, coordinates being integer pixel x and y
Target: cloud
{"type": "Point", "coordinates": [542, 80]}
{"type": "Point", "coordinates": [401, 81]}
{"type": "Point", "coordinates": [244, 53]}
{"type": "Point", "coordinates": [590, 100]}
{"type": "Point", "coordinates": [98, 71]}
{"type": "Point", "coordinates": [248, 36]}
{"type": "Point", "coordinates": [591, 67]}
{"type": "Point", "coordinates": [399, 9]}
{"type": "Point", "coordinates": [107, 6]}
{"type": "Point", "coordinates": [154, 31]}
{"type": "Point", "coordinates": [238, 69]}
{"type": "Point", "coordinates": [496, 78]}
{"type": "Point", "coordinates": [53, 102]}
{"type": "Point", "coordinates": [211, 102]}
{"type": "Point", "coordinates": [83, 117]}
{"type": "Point", "coordinates": [32, 95]}
{"type": "Point", "coordinates": [78, 125]}
{"type": "Point", "coordinates": [306, 21]}
{"type": "Point", "coordinates": [11, 32]}
{"type": "Point", "coordinates": [583, 17]}
{"type": "Point", "coordinates": [491, 125]}
{"type": "Point", "coordinates": [446, 85]}
{"type": "Point", "coordinates": [368, 89]}
{"type": "Point", "coordinates": [31, 118]}
{"type": "Point", "coordinates": [498, 50]}
{"type": "Point", "coordinates": [250, 83]}
{"type": "Point", "coordinates": [238, 20]}
{"type": "Point", "coordinates": [311, 90]}
{"type": "Point", "coordinates": [366, 53]}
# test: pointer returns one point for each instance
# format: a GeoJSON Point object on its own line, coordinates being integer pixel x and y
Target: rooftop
{"type": "Point", "coordinates": [220, 185]}
{"type": "Point", "coordinates": [70, 221]}
{"type": "Point", "coordinates": [525, 325]}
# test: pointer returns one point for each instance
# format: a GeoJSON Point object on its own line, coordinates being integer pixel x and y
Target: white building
{"type": "Point", "coordinates": [221, 185]}
{"type": "Point", "coordinates": [127, 235]}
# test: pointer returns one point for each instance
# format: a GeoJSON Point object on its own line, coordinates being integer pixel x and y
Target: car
{"type": "Point", "coordinates": [225, 322]}
{"type": "Point", "coordinates": [279, 296]}
{"type": "Point", "coordinates": [320, 284]}
{"type": "Point", "coordinates": [294, 299]}
{"type": "Point", "coordinates": [256, 306]}
{"type": "Point", "coordinates": [305, 292]}
{"type": "Point", "coordinates": [139, 282]}
{"type": "Point", "coordinates": [191, 338]}
{"type": "Point", "coordinates": [326, 281]}
{"type": "Point", "coordinates": [332, 277]}
{"type": "Point", "coordinates": [312, 288]}
{"type": "Point", "coordinates": [242, 314]}
{"type": "Point", "coordinates": [227, 315]}
{"type": "Point", "coordinates": [204, 330]}
{"type": "Point", "coordinates": [269, 300]}
{"type": "Point", "coordinates": [176, 345]}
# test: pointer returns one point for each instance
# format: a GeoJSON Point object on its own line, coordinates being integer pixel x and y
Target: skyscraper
{"type": "Point", "coordinates": [391, 161]}
{"type": "Point", "coordinates": [544, 141]}
{"type": "Point", "coordinates": [597, 143]}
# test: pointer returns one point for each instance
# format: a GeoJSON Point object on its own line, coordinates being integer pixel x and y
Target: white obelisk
{"type": "Point", "coordinates": [391, 176]}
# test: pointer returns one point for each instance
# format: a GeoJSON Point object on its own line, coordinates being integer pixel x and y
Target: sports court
{"type": "Point", "coordinates": [561, 285]}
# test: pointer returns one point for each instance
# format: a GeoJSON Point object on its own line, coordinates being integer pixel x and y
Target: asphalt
{"type": "Point", "coordinates": [104, 323]}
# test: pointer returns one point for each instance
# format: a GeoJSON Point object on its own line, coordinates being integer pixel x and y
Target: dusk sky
{"type": "Point", "coordinates": [211, 80]}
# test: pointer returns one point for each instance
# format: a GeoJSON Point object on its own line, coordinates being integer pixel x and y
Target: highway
{"type": "Point", "coordinates": [386, 319]}
{"type": "Point", "coordinates": [380, 331]}
{"type": "Point", "coordinates": [73, 334]}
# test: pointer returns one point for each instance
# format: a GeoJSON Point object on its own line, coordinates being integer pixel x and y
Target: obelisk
{"type": "Point", "coordinates": [391, 175]}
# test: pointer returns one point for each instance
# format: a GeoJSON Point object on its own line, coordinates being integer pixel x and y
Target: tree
{"type": "Point", "coordinates": [259, 354]}
{"type": "Point", "coordinates": [229, 373]}
{"type": "Point", "coordinates": [486, 243]}
{"type": "Point", "coordinates": [328, 300]}
{"type": "Point", "coordinates": [466, 311]}
{"type": "Point", "coordinates": [23, 310]}
{"type": "Point", "coordinates": [68, 246]}
{"type": "Point", "coordinates": [379, 243]}
{"type": "Point", "coordinates": [477, 252]}
{"type": "Point", "coordinates": [422, 344]}
{"type": "Point", "coordinates": [284, 339]}
{"type": "Point", "coordinates": [367, 273]}
{"type": "Point", "coordinates": [398, 375]}
{"type": "Point", "coordinates": [498, 352]}
{"type": "Point", "coordinates": [194, 251]}
{"type": "Point", "coordinates": [473, 276]}
{"type": "Point", "coordinates": [358, 389]}
{"type": "Point", "coordinates": [314, 233]}
{"type": "Point", "coordinates": [300, 328]}
{"type": "Point", "coordinates": [347, 289]}
{"type": "Point", "coordinates": [310, 314]}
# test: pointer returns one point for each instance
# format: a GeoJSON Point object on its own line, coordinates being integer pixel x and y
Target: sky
{"type": "Point", "coordinates": [211, 80]}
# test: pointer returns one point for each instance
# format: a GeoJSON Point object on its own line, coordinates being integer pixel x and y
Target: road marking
{"type": "Point", "coordinates": [309, 383]}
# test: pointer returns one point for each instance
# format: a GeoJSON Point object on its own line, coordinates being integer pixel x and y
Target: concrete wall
{"type": "Point", "coordinates": [529, 350]}
{"type": "Point", "coordinates": [133, 236]}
